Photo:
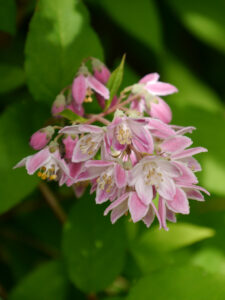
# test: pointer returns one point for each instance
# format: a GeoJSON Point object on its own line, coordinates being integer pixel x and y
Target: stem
{"type": "Point", "coordinates": [65, 89]}
{"type": "Point", "coordinates": [52, 202]}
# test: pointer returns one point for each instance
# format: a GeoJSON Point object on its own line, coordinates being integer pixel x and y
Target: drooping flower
{"type": "Point", "coordinates": [101, 72]}
{"type": "Point", "coordinates": [50, 165]}
{"type": "Point", "coordinates": [41, 137]}
{"type": "Point", "coordinates": [84, 85]}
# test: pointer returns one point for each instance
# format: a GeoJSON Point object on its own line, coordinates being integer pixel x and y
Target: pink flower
{"type": "Point", "coordinates": [69, 144]}
{"type": "Point", "coordinates": [41, 138]}
{"type": "Point", "coordinates": [150, 88]}
{"type": "Point", "coordinates": [89, 144]}
{"type": "Point", "coordinates": [111, 179]}
{"type": "Point", "coordinates": [125, 131]}
{"type": "Point", "coordinates": [50, 165]}
{"type": "Point", "coordinates": [131, 202]}
{"type": "Point", "coordinates": [84, 84]}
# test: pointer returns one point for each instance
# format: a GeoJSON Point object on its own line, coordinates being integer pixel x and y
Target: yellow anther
{"type": "Point", "coordinates": [39, 174]}
{"type": "Point", "coordinates": [52, 177]}
{"type": "Point", "coordinates": [88, 99]}
{"type": "Point", "coordinates": [44, 176]}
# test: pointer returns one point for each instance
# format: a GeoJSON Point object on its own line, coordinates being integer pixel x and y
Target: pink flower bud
{"type": "Point", "coordinates": [41, 138]}
{"type": "Point", "coordinates": [58, 105]}
{"type": "Point", "coordinates": [101, 72]}
{"type": "Point", "coordinates": [69, 144]}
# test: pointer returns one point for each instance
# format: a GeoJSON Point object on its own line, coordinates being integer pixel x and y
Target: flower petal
{"type": "Point", "coordinates": [176, 144]}
{"type": "Point", "coordinates": [79, 88]}
{"type": "Point", "coordinates": [179, 203]}
{"type": "Point", "coordinates": [98, 87]}
{"type": "Point", "coordinates": [144, 191]}
{"type": "Point", "coordinates": [90, 128]}
{"type": "Point", "coordinates": [187, 176]}
{"type": "Point", "coordinates": [120, 176]}
{"type": "Point", "coordinates": [149, 218]}
{"type": "Point", "coordinates": [151, 77]}
{"type": "Point", "coordinates": [162, 212]}
{"type": "Point", "coordinates": [167, 188]}
{"type": "Point", "coordinates": [189, 152]}
{"type": "Point", "coordinates": [118, 212]}
{"type": "Point", "coordinates": [161, 88]}
{"type": "Point", "coordinates": [136, 207]}
{"type": "Point", "coordinates": [37, 161]}
{"type": "Point", "coordinates": [161, 110]}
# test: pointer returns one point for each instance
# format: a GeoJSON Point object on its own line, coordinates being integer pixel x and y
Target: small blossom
{"type": "Point", "coordinates": [58, 105]}
{"type": "Point", "coordinates": [101, 72]}
{"type": "Point", "coordinates": [41, 138]}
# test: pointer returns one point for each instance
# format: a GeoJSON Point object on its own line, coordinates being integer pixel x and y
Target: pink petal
{"type": "Point", "coordinates": [179, 203]}
{"type": "Point", "coordinates": [79, 88]}
{"type": "Point", "coordinates": [159, 126]}
{"type": "Point", "coordinates": [118, 212]}
{"type": "Point", "coordinates": [167, 188]}
{"type": "Point", "coordinates": [194, 194]}
{"type": "Point", "coordinates": [144, 191]}
{"type": "Point", "coordinates": [98, 87]}
{"type": "Point", "coordinates": [184, 130]}
{"type": "Point", "coordinates": [75, 169]}
{"type": "Point", "coordinates": [74, 129]}
{"type": "Point", "coordinates": [101, 196]}
{"type": "Point", "coordinates": [187, 176]}
{"type": "Point", "coordinates": [176, 144]}
{"type": "Point", "coordinates": [120, 176]}
{"type": "Point", "coordinates": [149, 218]}
{"type": "Point", "coordinates": [90, 128]}
{"type": "Point", "coordinates": [169, 168]}
{"type": "Point", "coordinates": [189, 152]}
{"type": "Point", "coordinates": [136, 207]}
{"type": "Point", "coordinates": [98, 163]}
{"type": "Point", "coordinates": [162, 212]}
{"type": "Point", "coordinates": [170, 215]}
{"type": "Point", "coordinates": [101, 101]}
{"type": "Point", "coordinates": [22, 162]}
{"type": "Point", "coordinates": [116, 203]}
{"type": "Point", "coordinates": [189, 186]}
{"type": "Point", "coordinates": [37, 161]}
{"type": "Point", "coordinates": [152, 77]}
{"type": "Point", "coordinates": [192, 163]}
{"type": "Point", "coordinates": [81, 154]}
{"type": "Point", "coordinates": [161, 110]}
{"type": "Point", "coordinates": [161, 88]}
{"type": "Point", "coordinates": [102, 75]}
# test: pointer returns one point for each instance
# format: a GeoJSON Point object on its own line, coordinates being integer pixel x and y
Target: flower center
{"type": "Point", "coordinates": [123, 135]}
{"type": "Point", "coordinates": [88, 146]}
{"type": "Point", "coordinates": [152, 175]}
{"type": "Point", "coordinates": [105, 182]}
{"type": "Point", "coordinates": [88, 97]}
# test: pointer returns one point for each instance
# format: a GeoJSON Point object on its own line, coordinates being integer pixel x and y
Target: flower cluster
{"type": "Point", "coordinates": [137, 161]}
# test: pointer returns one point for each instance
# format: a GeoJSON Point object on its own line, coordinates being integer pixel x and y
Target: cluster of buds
{"type": "Point", "coordinates": [136, 160]}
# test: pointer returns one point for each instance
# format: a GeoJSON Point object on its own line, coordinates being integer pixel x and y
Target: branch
{"type": "Point", "coordinates": [52, 202]}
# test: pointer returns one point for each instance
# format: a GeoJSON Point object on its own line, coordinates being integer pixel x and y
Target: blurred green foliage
{"type": "Point", "coordinates": [41, 46]}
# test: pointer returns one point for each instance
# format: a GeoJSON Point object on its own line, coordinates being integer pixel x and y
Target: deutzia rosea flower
{"type": "Point", "coordinates": [129, 153]}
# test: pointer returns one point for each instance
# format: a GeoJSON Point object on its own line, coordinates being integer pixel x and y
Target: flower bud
{"type": "Point", "coordinates": [58, 105]}
{"type": "Point", "coordinates": [101, 72]}
{"type": "Point", "coordinates": [41, 138]}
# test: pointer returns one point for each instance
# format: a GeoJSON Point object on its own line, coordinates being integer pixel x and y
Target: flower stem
{"type": "Point", "coordinates": [52, 202]}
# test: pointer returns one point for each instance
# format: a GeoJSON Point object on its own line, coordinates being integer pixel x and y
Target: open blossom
{"type": "Point", "coordinates": [149, 89]}
{"type": "Point", "coordinates": [50, 165]}
{"type": "Point", "coordinates": [84, 85]}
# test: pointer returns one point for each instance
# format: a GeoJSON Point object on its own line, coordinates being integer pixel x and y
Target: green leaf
{"type": "Point", "coordinates": [93, 248]}
{"type": "Point", "coordinates": [211, 260]}
{"type": "Point", "coordinates": [58, 39]}
{"type": "Point", "coordinates": [179, 235]}
{"type": "Point", "coordinates": [185, 282]}
{"type": "Point", "coordinates": [192, 91]}
{"type": "Point", "coordinates": [11, 77]}
{"type": "Point", "coordinates": [204, 18]}
{"type": "Point", "coordinates": [70, 115]}
{"type": "Point", "coordinates": [8, 16]}
{"type": "Point", "coordinates": [47, 282]}
{"type": "Point", "coordinates": [115, 80]}
{"type": "Point", "coordinates": [139, 18]}
{"type": "Point", "coordinates": [17, 124]}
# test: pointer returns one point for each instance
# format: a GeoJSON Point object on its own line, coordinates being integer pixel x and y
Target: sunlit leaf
{"type": "Point", "coordinates": [58, 40]}
{"type": "Point", "coordinates": [70, 115]}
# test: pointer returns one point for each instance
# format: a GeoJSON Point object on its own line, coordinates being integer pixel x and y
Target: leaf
{"type": "Point", "coordinates": [11, 77]}
{"type": "Point", "coordinates": [58, 40]}
{"type": "Point", "coordinates": [115, 80]}
{"type": "Point", "coordinates": [192, 91]}
{"type": "Point", "coordinates": [8, 16]}
{"type": "Point", "coordinates": [139, 18]}
{"type": "Point", "coordinates": [185, 282]}
{"type": "Point", "coordinates": [179, 236]}
{"type": "Point", "coordinates": [93, 248]}
{"type": "Point", "coordinates": [17, 124]}
{"type": "Point", "coordinates": [211, 260]}
{"type": "Point", "coordinates": [70, 115]}
{"type": "Point", "coordinates": [47, 282]}
{"type": "Point", "coordinates": [203, 18]}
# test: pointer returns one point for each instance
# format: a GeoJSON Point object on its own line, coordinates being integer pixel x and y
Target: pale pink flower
{"type": "Point", "coordinates": [41, 137]}
{"type": "Point", "coordinates": [88, 145]}
{"type": "Point", "coordinates": [50, 165]}
{"type": "Point", "coordinates": [110, 179]}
